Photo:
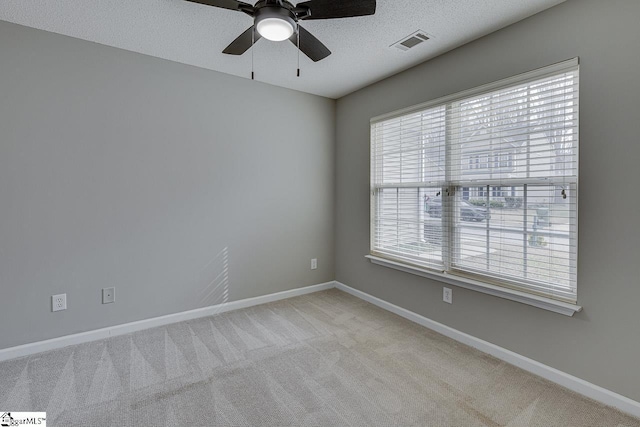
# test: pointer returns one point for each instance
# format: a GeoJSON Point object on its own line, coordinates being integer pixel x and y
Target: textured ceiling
{"type": "Point", "coordinates": [195, 34]}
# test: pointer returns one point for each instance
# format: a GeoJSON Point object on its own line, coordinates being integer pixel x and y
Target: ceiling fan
{"type": "Point", "coordinates": [277, 20]}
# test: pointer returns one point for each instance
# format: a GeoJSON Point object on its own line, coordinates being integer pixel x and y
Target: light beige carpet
{"type": "Point", "coordinates": [325, 359]}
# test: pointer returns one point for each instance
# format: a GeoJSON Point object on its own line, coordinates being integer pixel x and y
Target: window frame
{"type": "Point", "coordinates": [450, 274]}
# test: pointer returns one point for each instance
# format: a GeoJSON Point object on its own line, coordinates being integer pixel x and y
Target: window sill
{"type": "Point", "coordinates": [506, 293]}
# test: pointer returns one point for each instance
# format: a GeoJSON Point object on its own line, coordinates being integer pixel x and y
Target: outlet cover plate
{"type": "Point", "coordinates": [447, 295]}
{"type": "Point", "coordinates": [314, 264]}
{"type": "Point", "coordinates": [59, 302]}
{"type": "Point", "coordinates": [108, 295]}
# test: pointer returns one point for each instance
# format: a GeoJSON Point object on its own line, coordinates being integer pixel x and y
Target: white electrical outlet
{"type": "Point", "coordinates": [314, 263]}
{"type": "Point", "coordinates": [447, 295]}
{"type": "Point", "coordinates": [59, 302]}
{"type": "Point", "coordinates": [108, 295]}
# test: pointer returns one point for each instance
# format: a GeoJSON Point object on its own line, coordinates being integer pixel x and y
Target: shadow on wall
{"type": "Point", "coordinates": [214, 280]}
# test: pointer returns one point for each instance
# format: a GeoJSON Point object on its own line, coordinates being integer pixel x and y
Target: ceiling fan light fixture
{"type": "Point", "coordinates": [275, 29]}
{"type": "Point", "coordinates": [275, 23]}
{"type": "Point", "coordinates": [277, 20]}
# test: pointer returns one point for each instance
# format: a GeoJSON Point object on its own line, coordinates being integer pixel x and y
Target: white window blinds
{"type": "Point", "coordinates": [484, 184]}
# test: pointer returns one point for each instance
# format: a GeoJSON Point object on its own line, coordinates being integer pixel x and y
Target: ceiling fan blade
{"type": "Point", "coordinates": [225, 4]}
{"type": "Point", "coordinates": [328, 9]}
{"type": "Point", "coordinates": [243, 42]}
{"type": "Point", "coordinates": [309, 45]}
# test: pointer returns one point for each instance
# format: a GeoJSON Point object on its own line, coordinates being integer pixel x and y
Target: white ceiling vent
{"type": "Point", "coordinates": [412, 40]}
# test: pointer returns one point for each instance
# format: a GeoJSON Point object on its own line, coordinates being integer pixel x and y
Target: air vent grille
{"type": "Point", "coordinates": [412, 40]}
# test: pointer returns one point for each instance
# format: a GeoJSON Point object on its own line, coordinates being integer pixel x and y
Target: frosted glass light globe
{"type": "Point", "coordinates": [275, 29]}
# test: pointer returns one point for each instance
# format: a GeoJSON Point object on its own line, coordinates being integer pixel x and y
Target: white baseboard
{"type": "Point", "coordinates": [126, 328]}
{"type": "Point", "coordinates": [576, 384]}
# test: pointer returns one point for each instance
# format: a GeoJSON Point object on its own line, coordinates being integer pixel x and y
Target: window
{"type": "Point", "coordinates": [483, 185]}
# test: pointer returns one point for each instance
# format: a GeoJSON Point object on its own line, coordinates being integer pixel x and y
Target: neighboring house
{"type": "Point", "coordinates": [523, 146]}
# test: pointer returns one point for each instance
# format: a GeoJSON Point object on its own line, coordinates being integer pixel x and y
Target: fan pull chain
{"type": "Point", "coordinates": [253, 40]}
{"type": "Point", "coordinates": [298, 51]}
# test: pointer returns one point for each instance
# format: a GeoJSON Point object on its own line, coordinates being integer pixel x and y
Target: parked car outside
{"type": "Point", "coordinates": [468, 212]}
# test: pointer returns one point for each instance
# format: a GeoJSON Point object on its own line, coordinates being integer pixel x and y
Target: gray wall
{"type": "Point", "coordinates": [601, 344]}
{"type": "Point", "coordinates": [173, 184]}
